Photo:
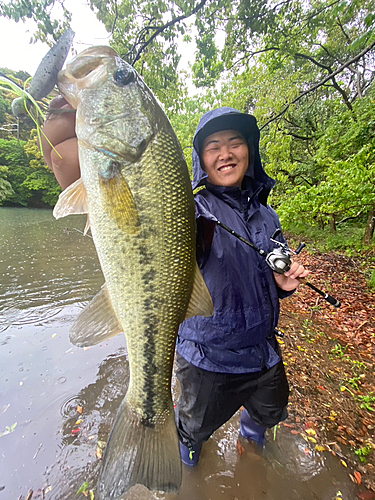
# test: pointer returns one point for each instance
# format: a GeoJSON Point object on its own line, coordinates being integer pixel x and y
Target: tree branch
{"type": "Point", "coordinates": [252, 54]}
{"type": "Point", "coordinates": [317, 63]}
{"type": "Point", "coordinates": [115, 19]}
{"type": "Point", "coordinates": [322, 82]}
{"type": "Point", "coordinates": [330, 71]}
{"type": "Point", "coordinates": [164, 27]}
{"type": "Point", "coordinates": [296, 136]}
{"type": "Point", "coordinates": [343, 31]}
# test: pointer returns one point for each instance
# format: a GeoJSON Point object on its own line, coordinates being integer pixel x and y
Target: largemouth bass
{"type": "Point", "coordinates": [135, 188]}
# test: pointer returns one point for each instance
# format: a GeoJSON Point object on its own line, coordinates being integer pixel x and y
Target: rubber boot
{"type": "Point", "coordinates": [190, 455]}
{"type": "Point", "coordinates": [252, 431]}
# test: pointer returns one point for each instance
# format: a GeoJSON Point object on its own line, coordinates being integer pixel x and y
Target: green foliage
{"type": "Point", "coordinates": [24, 178]}
{"type": "Point", "coordinates": [371, 281]}
{"type": "Point", "coordinates": [363, 453]}
{"type": "Point", "coordinates": [6, 190]}
{"type": "Point", "coordinates": [367, 401]}
{"type": "Point", "coordinates": [48, 29]}
{"type": "Point", "coordinates": [343, 179]}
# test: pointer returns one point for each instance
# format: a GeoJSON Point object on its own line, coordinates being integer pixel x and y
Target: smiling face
{"type": "Point", "coordinates": [225, 157]}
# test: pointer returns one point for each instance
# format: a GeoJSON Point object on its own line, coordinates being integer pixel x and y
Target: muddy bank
{"type": "Point", "coordinates": [329, 357]}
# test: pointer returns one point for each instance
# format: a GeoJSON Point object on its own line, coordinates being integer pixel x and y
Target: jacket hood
{"type": "Point", "coordinates": [226, 118]}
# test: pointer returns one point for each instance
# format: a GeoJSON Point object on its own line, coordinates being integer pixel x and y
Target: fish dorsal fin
{"type": "Point", "coordinates": [96, 323]}
{"type": "Point", "coordinates": [200, 301]}
{"type": "Point", "coordinates": [73, 200]}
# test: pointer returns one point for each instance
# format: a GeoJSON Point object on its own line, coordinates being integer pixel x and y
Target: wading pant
{"type": "Point", "coordinates": [209, 399]}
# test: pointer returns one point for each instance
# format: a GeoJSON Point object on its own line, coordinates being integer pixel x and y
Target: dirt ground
{"type": "Point", "coordinates": [330, 358]}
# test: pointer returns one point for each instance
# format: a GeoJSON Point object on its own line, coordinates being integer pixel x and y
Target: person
{"type": "Point", "coordinates": [231, 359]}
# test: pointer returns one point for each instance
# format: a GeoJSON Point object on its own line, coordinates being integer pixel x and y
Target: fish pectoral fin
{"type": "Point", "coordinates": [141, 452]}
{"type": "Point", "coordinates": [96, 323]}
{"type": "Point", "coordinates": [73, 200]}
{"type": "Point", "coordinates": [120, 202]}
{"type": "Point", "coordinates": [200, 301]}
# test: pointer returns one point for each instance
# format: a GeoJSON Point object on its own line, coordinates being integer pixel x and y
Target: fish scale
{"type": "Point", "coordinates": [136, 191]}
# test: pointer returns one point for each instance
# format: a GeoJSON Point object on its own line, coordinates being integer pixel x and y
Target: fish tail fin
{"type": "Point", "coordinates": [138, 453]}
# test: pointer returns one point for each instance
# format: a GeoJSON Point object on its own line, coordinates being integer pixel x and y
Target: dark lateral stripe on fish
{"type": "Point", "coordinates": [151, 328]}
{"type": "Point", "coordinates": [150, 369]}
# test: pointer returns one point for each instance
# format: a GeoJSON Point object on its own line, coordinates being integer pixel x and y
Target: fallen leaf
{"type": "Point", "coordinates": [79, 421]}
{"type": "Point", "coordinates": [311, 432]}
{"type": "Point", "coordinates": [79, 409]}
{"type": "Point", "coordinates": [344, 463]}
{"type": "Point", "coordinates": [83, 488]}
{"type": "Point", "coordinates": [318, 447]}
{"type": "Point", "coordinates": [76, 431]}
{"type": "Point", "coordinates": [358, 476]}
{"type": "Point", "coordinates": [240, 449]}
{"type": "Point", "coordinates": [99, 453]}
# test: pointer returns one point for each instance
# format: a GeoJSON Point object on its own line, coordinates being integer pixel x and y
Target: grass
{"type": "Point", "coordinates": [348, 237]}
{"type": "Point", "coordinates": [337, 351]}
{"type": "Point", "coordinates": [367, 401]}
{"type": "Point", "coordinates": [363, 453]}
{"type": "Point", "coordinates": [371, 281]}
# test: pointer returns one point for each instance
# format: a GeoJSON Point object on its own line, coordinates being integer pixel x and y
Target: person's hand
{"type": "Point", "coordinates": [289, 281]}
{"type": "Point", "coordinates": [60, 129]}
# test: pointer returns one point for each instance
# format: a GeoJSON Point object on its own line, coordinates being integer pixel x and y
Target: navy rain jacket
{"type": "Point", "coordinates": [239, 338]}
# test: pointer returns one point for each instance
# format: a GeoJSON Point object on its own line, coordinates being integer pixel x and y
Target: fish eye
{"type": "Point", "coordinates": [123, 76]}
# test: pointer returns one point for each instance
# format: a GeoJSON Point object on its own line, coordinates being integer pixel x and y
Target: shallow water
{"type": "Point", "coordinates": [64, 399]}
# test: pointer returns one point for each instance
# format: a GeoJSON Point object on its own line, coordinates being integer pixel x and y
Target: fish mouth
{"type": "Point", "coordinates": [88, 61]}
{"type": "Point", "coordinates": [88, 70]}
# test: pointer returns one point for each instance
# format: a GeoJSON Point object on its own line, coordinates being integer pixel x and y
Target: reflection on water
{"type": "Point", "coordinates": [64, 399]}
{"type": "Point", "coordinates": [43, 266]}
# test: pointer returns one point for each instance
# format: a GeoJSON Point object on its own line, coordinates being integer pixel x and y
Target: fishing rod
{"type": "Point", "coordinates": [279, 260]}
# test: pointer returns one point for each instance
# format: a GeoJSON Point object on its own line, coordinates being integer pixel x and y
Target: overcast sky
{"type": "Point", "coordinates": [18, 54]}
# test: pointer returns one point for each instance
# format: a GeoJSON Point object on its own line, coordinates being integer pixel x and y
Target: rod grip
{"type": "Point", "coordinates": [332, 300]}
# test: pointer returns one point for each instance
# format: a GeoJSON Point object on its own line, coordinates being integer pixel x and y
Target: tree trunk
{"type": "Point", "coordinates": [370, 226]}
{"type": "Point", "coordinates": [332, 222]}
